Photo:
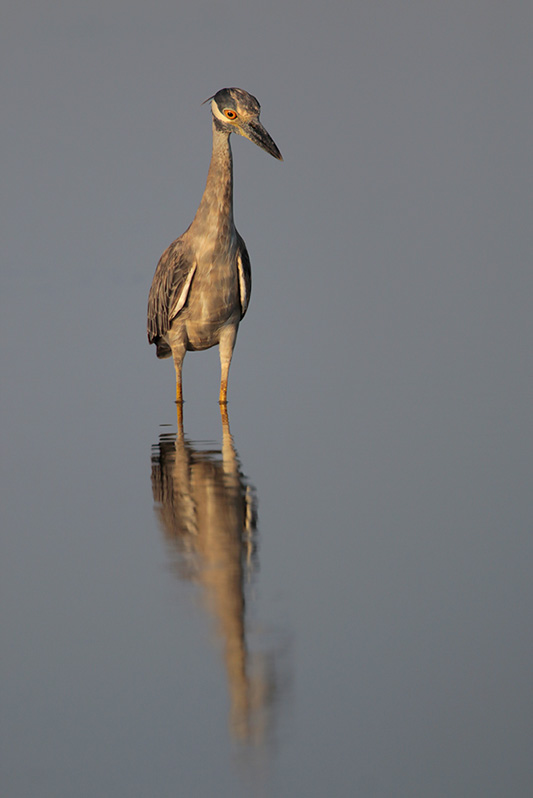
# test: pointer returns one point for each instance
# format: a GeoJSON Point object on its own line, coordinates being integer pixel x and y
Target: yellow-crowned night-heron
{"type": "Point", "coordinates": [201, 287]}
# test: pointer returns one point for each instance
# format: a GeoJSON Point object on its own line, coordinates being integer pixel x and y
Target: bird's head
{"type": "Point", "coordinates": [236, 111]}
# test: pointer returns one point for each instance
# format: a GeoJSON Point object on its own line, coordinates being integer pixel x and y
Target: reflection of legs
{"type": "Point", "coordinates": [225, 346]}
{"type": "Point", "coordinates": [179, 420]}
{"type": "Point", "coordinates": [224, 418]}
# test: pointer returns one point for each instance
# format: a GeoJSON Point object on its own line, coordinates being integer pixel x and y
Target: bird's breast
{"type": "Point", "coordinates": [214, 299]}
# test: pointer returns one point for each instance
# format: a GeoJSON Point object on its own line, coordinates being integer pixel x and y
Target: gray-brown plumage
{"type": "Point", "coordinates": [201, 287]}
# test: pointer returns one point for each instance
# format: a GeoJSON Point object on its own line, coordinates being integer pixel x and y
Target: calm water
{"type": "Point", "coordinates": [329, 592]}
{"type": "Point", "coordinates": [334, 596]}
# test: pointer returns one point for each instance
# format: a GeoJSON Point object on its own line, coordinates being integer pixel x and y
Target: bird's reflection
{"type": "Point", "coordinates": [208, 513]}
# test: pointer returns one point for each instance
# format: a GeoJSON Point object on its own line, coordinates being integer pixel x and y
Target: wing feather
{"type": "Point", "coordinates": [245, 275]}
{"type": "Point", "coordinates": [170, 287]}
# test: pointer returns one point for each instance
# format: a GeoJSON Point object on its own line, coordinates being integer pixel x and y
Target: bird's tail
{"type": "Point", "coordinates": [162, 348]}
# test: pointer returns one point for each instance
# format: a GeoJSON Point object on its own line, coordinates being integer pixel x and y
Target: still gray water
{"type": "Point", "coordinates": [327, 592]}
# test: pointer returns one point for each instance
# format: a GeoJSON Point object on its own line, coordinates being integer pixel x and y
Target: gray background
{"type": "Point", "coordinates": [380, 397]}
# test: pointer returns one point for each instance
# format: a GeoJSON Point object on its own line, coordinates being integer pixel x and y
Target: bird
{"type": "Point", "coordinates": [201, 287]}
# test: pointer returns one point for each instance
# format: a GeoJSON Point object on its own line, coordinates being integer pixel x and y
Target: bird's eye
{"type": "Point", "coordinates": [230, 114]}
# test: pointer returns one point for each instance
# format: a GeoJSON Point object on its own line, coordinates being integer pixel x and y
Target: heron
{"type": "Point", "coordinates": [202, 283]}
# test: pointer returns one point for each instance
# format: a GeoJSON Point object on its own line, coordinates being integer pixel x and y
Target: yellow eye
{"type": "Point", "coordinates": [230, 114]}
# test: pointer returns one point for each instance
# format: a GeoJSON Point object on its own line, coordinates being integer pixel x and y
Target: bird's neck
{"type": "Point", "coordinates": [217, 200]}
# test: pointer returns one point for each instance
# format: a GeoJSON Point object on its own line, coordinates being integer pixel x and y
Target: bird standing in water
{"type": "Point", "coordinates": [202, 283]}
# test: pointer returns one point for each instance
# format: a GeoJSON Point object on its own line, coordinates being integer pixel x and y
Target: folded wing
{"type": "Point", "coordinates": [168, 294]}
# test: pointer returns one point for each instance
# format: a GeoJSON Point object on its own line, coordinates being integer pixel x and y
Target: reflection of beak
{"type": "Point", "coordinates": [257, 133]}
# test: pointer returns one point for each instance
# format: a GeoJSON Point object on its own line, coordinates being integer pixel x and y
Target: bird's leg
{"type": "Point", "coordinates": [179, 393]}
{"type": "Point", "coordinates": [179, 347]}
{"type": "Point", "coordinates": [225, 346]}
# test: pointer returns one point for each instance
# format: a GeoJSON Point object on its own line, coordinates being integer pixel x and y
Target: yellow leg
{"type": "Point", "coordinates": [178, 364]}
{"type": "Point", "coordinates": [178, 344]}
{"type": "Point", "coordinates": [179, 395]}
{"type": "Point", "coordinates": [225, 347]}
{"type": "Point", "coordinates": [223, 398]}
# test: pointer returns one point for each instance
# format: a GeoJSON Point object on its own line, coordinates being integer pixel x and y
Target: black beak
{"type": "Point", "coordinates": [257, 133]}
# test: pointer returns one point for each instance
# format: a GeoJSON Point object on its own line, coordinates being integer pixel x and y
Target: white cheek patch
{"type": "Point", "coordinates": [216, 112]}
